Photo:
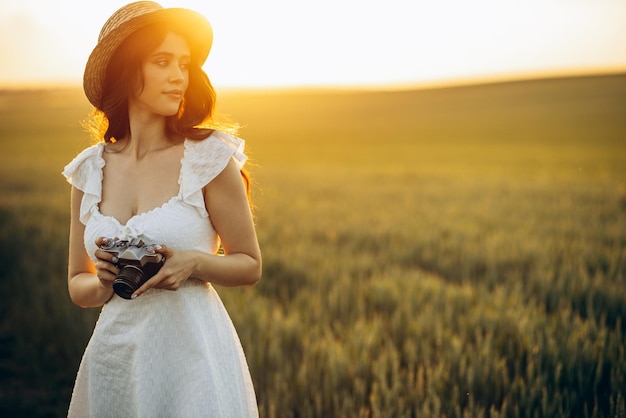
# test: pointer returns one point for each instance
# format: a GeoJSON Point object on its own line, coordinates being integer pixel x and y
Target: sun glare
{"type": "Point", "coordinates": [350, 42]}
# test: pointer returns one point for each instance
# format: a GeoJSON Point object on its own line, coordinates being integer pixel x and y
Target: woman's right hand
{"type": "Point", "coordinates": [105, 266]}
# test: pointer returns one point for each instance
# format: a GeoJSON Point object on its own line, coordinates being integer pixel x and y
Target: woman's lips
{"type": "Point", "coordinates": [175, 94]}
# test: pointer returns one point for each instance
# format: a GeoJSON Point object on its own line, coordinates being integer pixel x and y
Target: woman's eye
{"type": "Point", "coordinates": [162, 63]}
{"type": "Point", "coordinates": [184, 66]}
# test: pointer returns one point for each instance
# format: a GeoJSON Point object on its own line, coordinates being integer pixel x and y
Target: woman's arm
{"type": "Point", "coordinates": [226, 201]}
{"type": "Point", "coordinates": [85, 288]}
{"type": "Point", "coordinates": [229, 210]}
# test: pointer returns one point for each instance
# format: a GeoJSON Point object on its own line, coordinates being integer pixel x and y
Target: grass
{"type": "Point", "coordinates": [447, 252]}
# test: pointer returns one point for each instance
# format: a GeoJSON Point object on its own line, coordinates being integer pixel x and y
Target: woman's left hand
{"type": "Point", "coordinates": [176, 270]}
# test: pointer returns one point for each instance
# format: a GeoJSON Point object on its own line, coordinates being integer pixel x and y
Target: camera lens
{"type": "Point", "coordinates": [129, 280]}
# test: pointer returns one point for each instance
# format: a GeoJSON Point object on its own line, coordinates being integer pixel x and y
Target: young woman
{"type": "Point", "coordinates": [166, 348]}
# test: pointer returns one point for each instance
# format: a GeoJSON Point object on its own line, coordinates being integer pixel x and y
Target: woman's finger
{"type": "Point", "coordinates": [106, 256]}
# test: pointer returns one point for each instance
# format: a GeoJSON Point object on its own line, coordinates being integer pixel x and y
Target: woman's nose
{"type": "Point", "coordinates": [177, 75]}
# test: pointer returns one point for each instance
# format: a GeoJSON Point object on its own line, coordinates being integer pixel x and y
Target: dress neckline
{"type": "Point", "coordinates": [150, 211]}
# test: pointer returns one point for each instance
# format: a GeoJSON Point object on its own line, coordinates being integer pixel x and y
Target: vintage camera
{"type": "Point", "coordinates": [137, 263]}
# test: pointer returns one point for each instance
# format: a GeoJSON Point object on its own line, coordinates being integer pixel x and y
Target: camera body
{"type": "Point", "coordinates": [137, 262]}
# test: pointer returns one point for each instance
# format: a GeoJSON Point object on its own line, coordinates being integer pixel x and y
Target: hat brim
{"type": "Point", "coordinates": [199, 34]}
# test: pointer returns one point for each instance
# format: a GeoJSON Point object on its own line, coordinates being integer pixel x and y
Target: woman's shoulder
{"type": "Point", "coordinates": [215, 149]}
{"type": "Point", "coordinates": [205, 159]}
{"type": "Point", "coordinates": [90, 157]}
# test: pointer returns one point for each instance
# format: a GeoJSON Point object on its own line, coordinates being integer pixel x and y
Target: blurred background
{"type": "Point", "coordinates": [440, 193]}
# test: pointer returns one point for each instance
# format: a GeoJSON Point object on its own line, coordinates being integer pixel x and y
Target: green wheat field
{"type": "Point", "coordinates": [448, 252]}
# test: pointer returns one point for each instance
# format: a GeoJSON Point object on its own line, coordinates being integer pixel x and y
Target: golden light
{"type": "Point", "coordinates": [346, 42]}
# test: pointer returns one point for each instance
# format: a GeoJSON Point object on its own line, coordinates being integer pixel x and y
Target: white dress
{"type": "Point", "coordinates": [167, 353]}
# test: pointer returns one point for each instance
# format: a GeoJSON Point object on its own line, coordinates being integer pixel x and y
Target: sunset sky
{"type": "Point", "coordinates": [273, 43]}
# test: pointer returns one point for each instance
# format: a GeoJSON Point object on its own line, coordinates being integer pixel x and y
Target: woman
{"type": "Point", "coordinates": [170, 349]}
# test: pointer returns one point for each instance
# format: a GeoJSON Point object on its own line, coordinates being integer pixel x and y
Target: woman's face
{"type": "Point", "coordinates": [165, 73]}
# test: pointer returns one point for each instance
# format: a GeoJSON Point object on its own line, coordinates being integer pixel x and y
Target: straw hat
{"type": "Point", "coordinates": [127, 20]}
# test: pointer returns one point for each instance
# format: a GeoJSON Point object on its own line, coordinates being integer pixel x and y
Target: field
{"type": "Point", "coordinates": [452, 252]}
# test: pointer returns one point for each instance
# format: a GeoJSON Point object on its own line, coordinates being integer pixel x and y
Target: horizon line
{"type": "Point", "coordinates": [415, 85]}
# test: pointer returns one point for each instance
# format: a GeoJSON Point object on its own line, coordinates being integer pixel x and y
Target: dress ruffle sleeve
{"type": "Point", "coordinates": [85, 173]}
{"type": "Point", "coordinates": [203, 161]}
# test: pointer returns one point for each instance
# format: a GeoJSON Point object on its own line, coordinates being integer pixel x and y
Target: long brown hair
{"type": "Point", "coordinates": [195, 117]}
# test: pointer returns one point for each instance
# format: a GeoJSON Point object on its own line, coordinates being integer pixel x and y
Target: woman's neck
{"type": "Point", "coordinates": [147, 134]}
